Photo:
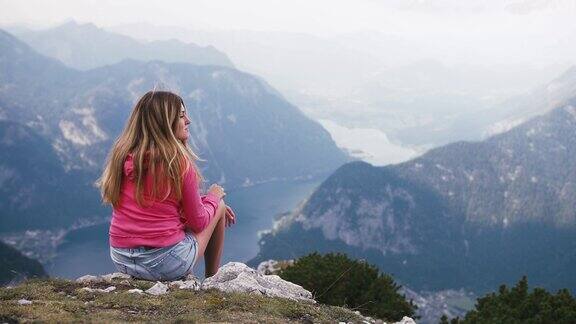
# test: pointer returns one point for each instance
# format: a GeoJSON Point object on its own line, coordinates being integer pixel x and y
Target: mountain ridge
{"type": "Point", "coordinates": [240, 125]}
{"type": "Point", "coordinates": [86, 46]}
{"type": "Point", "coordinates": [468, 214]}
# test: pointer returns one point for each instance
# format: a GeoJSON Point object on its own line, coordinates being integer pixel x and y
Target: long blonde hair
{"type": "Point", "coordinates": [150, 135]}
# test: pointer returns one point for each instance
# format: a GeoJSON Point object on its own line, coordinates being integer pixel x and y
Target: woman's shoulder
{"type": "Point", "coordinates": [190, 174]}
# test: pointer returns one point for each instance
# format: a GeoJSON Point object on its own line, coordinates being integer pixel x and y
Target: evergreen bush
{"type": "Point", "coordinates": [519, 305]}
{"type": "Point", "coordinates": [335, 279]}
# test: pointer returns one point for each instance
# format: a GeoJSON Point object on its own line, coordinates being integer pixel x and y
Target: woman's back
{"type": "Point", "coordinates": [155, 224]}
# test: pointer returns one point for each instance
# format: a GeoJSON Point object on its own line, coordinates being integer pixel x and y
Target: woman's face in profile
{"type": "Point", "coordinates": [182, 129]}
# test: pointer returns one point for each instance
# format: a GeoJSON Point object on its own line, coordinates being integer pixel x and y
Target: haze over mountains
{"type": "Point", "coordinates": [412, 103]}
{"type": "Point", "coordinates": [469, 214]}
{"type": "Point", "coordinates": [245, 130]}
{"type": "Point", "coordinates": [417, 94]}
{"type": "Point", "coordinates": [85, 46]}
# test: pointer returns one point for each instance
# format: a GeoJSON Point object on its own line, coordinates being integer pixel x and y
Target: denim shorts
{"type": "Point", "coordinates": [158, 264]}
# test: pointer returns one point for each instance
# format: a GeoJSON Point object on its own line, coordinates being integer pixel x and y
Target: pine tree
{"type": "Point", "coordinates": [519, 305]}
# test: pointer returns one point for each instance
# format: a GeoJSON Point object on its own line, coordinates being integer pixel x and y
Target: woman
{"type": "Point", "coordinates": [160, 224]}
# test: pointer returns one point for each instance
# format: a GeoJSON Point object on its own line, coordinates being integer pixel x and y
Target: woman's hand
{"type": "Point", "coordinates": [217, 190]}
{"type": "Point", "coordinates": [230, 216]}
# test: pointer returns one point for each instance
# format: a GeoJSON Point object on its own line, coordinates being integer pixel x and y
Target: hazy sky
{"type": "Point", "coordinates": [316, 16]}
{"type": "Point", "coordinates": [535, 31]}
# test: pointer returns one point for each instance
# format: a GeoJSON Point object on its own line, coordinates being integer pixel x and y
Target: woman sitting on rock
{"type": "Point", "coordinates": [160, 223]}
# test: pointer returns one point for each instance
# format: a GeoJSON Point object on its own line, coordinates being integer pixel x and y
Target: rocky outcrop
{"type": "Point", "coordinates": [233, 277]}
{"type": "Point", "coordinates": [238, 277]}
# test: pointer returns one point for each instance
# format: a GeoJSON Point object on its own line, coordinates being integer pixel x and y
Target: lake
{"type": "Point", "coordinates": [86, 251]}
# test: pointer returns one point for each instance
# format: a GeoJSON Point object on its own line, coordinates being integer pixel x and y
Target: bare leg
{"type": "Point", "coordinates": [211, 241]}
{"type": "Point", "coordinates": [213, 252]}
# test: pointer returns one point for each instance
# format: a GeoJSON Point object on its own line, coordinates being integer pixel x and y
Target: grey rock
{"type": "Point", "coordinates": [115, 275]}
{"type": "Point", "coordinates": [406, 320]}
{"type": "Point", "coordinates": [307, 319]}
{"type": "Point", "coordinates": [238, 277]}
{"type": "Point", "coordinates": [24, 302]}
{"type": "Point", "coordinates": [107, 290]}
{"type": "Point", "coordinates": [176, 283]}
{"type": "Point", "coordinates": [158, 289]}
{"type": "Point", "coordinates": [268, 267]}
{"type": "Point", "coordinates": [88, 279]}
{"type": "Point", "coordinates": [191, 283]}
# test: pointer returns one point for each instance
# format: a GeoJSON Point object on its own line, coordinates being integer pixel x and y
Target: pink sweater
{"type": "Point", "coordinates": [163, 222]}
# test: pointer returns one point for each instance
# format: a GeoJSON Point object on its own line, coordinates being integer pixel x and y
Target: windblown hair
{"type": "Point", "coordinates": [150, 135]}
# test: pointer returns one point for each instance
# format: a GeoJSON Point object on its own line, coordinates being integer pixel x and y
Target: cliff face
{"type": "Point", "coordinates": [16, 266]}
{"type": "Point", "coordinates": [469, 214]}
{"type": "Point", "coordinates": [35, 189]}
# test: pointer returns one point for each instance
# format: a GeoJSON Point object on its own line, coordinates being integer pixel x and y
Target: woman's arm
{"type": "Point", "coordinates": [198, 211]}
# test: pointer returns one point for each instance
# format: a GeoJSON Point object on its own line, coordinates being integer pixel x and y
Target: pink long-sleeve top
{"type": "Point", "coordinates": [159, 223]}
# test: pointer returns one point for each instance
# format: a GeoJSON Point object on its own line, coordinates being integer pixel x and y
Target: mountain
{"type": "Point", "coordinates": [373, 80]}
{"type": "Point", "coordinates": [542, 99]}
{"type": "Point", "coordinates": [85, 46]}
{"type": "Point", "coordinates": [243, 129]}
{"type": "Point", "coordinates": [16, 266]}
{"type": "Point", "coordinates": [35, 190]}
{"type": "Point", "coordinates": [467, 215]}
{"type": "Point", "coordinates": [294, 62]}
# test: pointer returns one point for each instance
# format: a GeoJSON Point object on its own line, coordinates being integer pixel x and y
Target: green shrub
{"type": "Point", "coordinates": [335, 279]}
{"type": "Point", "coordinates": [518, 305]}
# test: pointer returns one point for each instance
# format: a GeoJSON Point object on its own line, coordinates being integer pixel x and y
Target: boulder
{"type": "Point", "coordinates": [158, 289]}
{"type": "Point", "coordinates": [238, 277]}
